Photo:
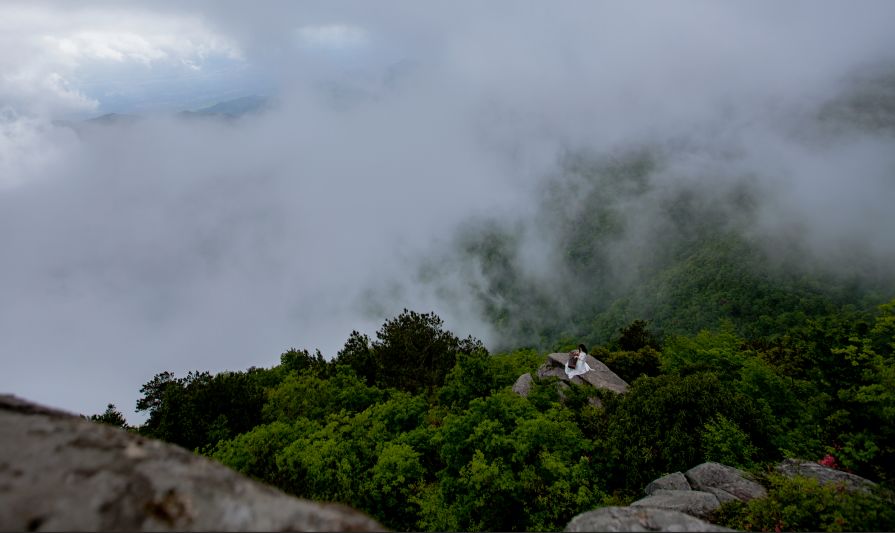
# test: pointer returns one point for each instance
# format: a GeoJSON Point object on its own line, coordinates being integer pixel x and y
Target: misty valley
{"type": "Point", "coordinates": [465, 266]}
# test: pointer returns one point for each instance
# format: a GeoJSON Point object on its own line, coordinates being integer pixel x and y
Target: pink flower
{"type": "Point", "coordinates": [829, 461]}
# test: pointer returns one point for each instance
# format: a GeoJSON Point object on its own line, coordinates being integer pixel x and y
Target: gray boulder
{"type": "Point", "coordinates": [824, 474]}
{"type": "Point", "coordinates": [692, 502]}
{"type": "Point", "coordinates": [523, 385]}
{"type": "Point", "coordinates": [715, 477]}
{"type": "Point", "coordinates": [638, 519]}
{"type": "Point", "coordinates": [602, 378]}
{"type": "Point", "coordinates": [675, 481]}
{"type": "Point", "coordinates": [559, 359]}
{"type": "Point", "coordinates": [61, 472]}
{"type": "Point", "coordinates": [600, 375]}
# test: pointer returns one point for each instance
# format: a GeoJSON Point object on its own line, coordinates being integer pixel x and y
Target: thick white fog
{"type": "Point", "coordinates": [134, 246]}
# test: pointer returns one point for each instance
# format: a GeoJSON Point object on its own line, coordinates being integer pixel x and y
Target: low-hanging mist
{"type": "Point", "coordinates": [510, 166]}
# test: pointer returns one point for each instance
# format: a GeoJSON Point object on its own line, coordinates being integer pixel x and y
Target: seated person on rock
{"type": "Point", "coordinates": [577, 363]}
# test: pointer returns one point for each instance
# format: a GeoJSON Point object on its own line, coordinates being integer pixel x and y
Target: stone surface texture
{"type": "Point", "coordinates": [725, 478]}
{"type": "Point", "coordinates": [523, 385]}
{"type": "Point", "coordinates": [638, 519]}
{"type": "Point", "coordinates": [674, 481]}
{"type": "Point", "coordinates": [550, 370]}
{"type": "Point", "coordinates": [722, 495]}
{"type": "Point", "coordinates": [691, 502]}
{"type": "Point", "coordinates": [824, 474]}
{"type": "Point", "coordinates": [61, 472]}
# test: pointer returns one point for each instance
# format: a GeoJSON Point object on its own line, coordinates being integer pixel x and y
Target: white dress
{"type": "Point", "coordinates": [581, 366]}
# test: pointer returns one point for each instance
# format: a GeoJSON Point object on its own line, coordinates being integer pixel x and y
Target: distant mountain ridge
{"type": "Point", "coordinates": [227, 109]}
{"type": "Point", "coordinates": [234, 108]}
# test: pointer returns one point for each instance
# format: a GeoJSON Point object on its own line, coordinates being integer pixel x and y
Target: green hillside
{"type": "Point", "coordinates": [625, 241]}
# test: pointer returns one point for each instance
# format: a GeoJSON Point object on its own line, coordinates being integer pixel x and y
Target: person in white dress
{"type": "Point", "coordinates": [580, 365]}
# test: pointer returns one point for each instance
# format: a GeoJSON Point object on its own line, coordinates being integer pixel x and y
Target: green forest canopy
{"type": "Point", "coordinates": [451, 447]}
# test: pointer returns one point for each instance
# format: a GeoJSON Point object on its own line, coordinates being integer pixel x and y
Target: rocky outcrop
{"type": "Point", "coordinates": [824, 474]}
{"type": "Point", "coordinates": [726, 482]}
{"type": "Point", "coordinates": [599, 377]}
{"type": "Point", "coordinates": [639, 519]}
{"type": "Point", "coordinates": [700, 490]}
{"type": "Point", "coordinates": [61, 472]}
{"type": "Point", "coordinates": [675, 502]}
{"type": "Point", "coordinates": [675, 481]}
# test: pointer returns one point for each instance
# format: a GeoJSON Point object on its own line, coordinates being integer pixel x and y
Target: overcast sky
{"type": "Point", "coordinates": [167, 244]}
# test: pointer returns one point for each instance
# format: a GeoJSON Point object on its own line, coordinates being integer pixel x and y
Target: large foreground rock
{"type": "Point", "coordinates": [725, 482]}
{"type": "Point", "coordinates": [638, 519]}
{"type": "Point", "coordinates": [824, 474]}
{"type": "Point", "coordinates": [60, 472]}
{"type": "Point", "coordinates": [692, 502]}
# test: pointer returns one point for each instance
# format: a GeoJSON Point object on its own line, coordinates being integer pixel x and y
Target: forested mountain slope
{"type": "Point", "coordinates": [627, 249]}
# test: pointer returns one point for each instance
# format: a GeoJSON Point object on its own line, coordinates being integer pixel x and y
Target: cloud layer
{"type": "Point", "coordinates": [170, 244]}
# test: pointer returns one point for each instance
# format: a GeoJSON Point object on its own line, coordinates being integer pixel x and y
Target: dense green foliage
{"type": "Point", "coordinates": [457, 450]}
{"type": "Point", "coordinates": [656, 428]}
{"type": "Point", "coordinates": [201, 409]}
{"type": "Point", "coordinates": [412, 352]}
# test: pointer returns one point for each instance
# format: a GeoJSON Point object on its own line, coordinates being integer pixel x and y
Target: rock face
{"type": "Point", "coordinates": [722, 495]}
{"type": "Point", "coordinates": [638, 519]}
{"type": "Point", "coordinates": [726, 482]}
{"type": "Point", "coordinates": [675, 481]}
{"type": "Point", "coordinates": [824, 474]}
{"type": "Point", "coordinates": [61, 472]}
{"type": "Point", "coordinates": [692, 502]}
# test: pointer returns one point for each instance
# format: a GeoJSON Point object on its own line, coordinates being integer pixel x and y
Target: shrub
{"type": "Point", "coordinates": [803, 504]}
{"type": "Point", "coordinates": [657, 426]}
{"type": "Point", "coordinates": [724, 442]}
{"type": "Point", "coordinates": [630, 365]}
